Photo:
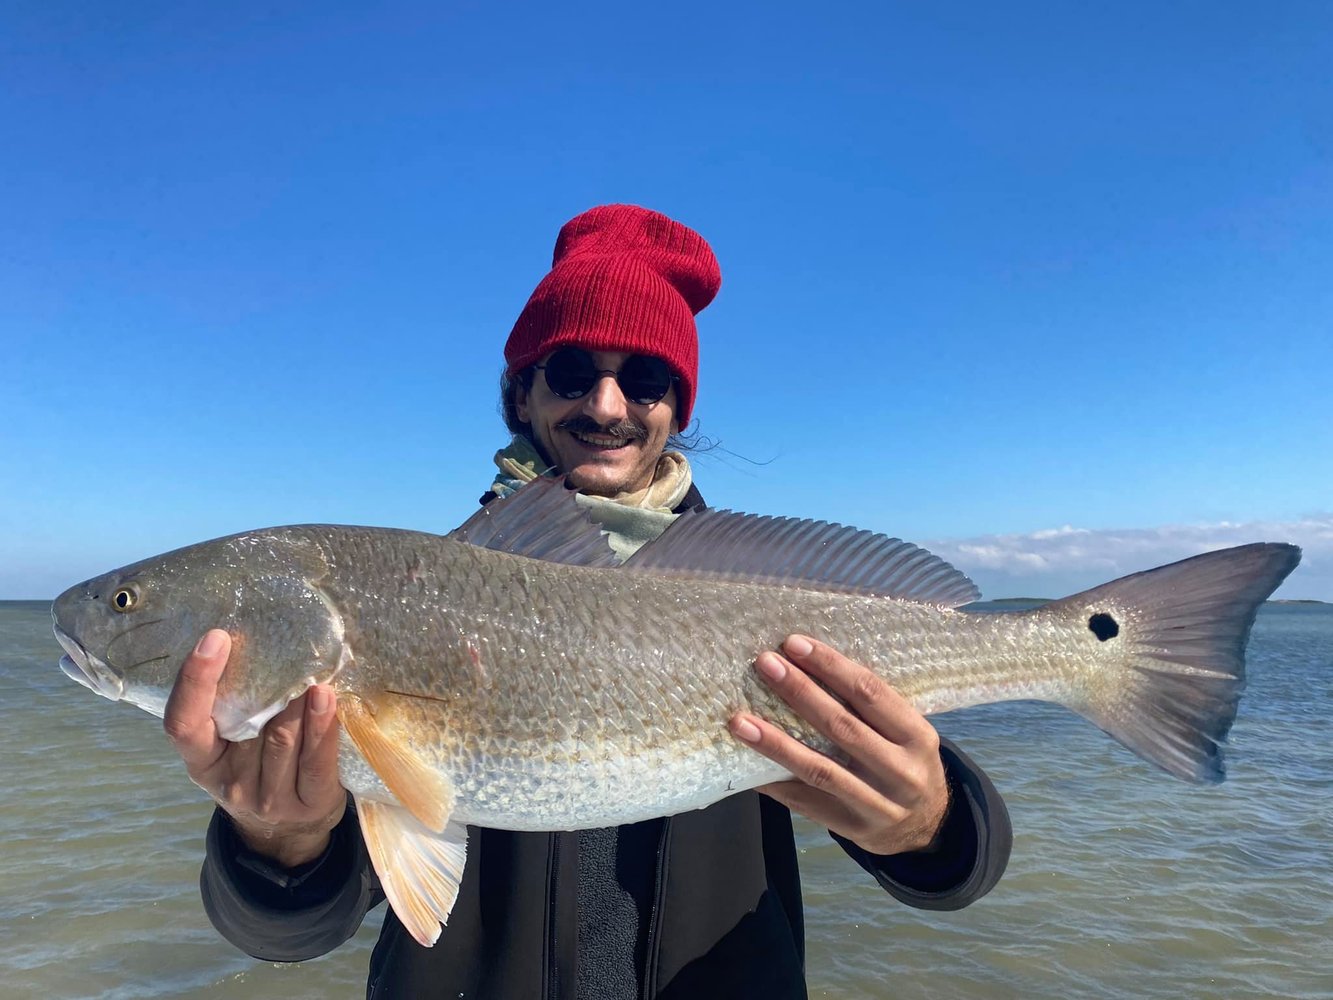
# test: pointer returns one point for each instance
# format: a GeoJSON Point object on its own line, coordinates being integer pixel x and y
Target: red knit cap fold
{"type": "Point", "coordinates": [622, 278]}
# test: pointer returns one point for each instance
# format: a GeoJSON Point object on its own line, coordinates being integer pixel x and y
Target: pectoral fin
{"type": "Point", "coordinates": [421, 788]}
{"type": "Point", "coordinates": [419, 868]}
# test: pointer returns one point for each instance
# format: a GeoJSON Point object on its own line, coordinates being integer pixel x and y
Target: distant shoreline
{"type": "Point", "coordinates": [998, 600]}
{"type": "Point", "coordinates": [1046, 600]}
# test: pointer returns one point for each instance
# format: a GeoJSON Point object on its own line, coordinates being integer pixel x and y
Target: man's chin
{"type": "Point", "coordinates": [600, 480]}
{"type": "Point", "coordinates": [598, 485]}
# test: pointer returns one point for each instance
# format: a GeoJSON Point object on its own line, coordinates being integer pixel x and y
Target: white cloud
{"type": "Point", "coordinates": [1060, 532]}
{"type": "Point", "coordinates": [1056, 561]}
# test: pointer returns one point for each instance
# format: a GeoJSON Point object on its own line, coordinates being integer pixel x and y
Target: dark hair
{"type": "Point", "coordinates": [508, 389]}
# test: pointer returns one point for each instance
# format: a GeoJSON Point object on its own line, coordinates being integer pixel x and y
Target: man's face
{"type": "Point", "coordinates": [602, 442]}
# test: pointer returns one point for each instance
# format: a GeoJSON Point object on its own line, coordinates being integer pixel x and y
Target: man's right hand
{"type": "Point", "coordinates": [281, 788]}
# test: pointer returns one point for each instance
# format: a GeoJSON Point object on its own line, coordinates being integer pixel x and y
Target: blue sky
{"type": "Point", "coordinates": [995, 277]}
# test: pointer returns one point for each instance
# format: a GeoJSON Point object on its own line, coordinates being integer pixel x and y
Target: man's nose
{"type": "Point", "coordinates": [604, 402]}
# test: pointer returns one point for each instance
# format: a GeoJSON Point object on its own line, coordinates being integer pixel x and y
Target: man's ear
{"type": "Point", "coordinates": [521, 403]}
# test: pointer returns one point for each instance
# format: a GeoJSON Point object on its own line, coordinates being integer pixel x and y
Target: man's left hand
{"type": "Point", "coordinates": [892, 795]}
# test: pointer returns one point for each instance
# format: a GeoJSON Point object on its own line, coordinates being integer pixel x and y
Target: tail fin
{"type": "Point", "coordinates": [1188, 624]}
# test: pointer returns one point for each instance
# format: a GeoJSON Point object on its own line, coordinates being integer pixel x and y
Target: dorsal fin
{"type": "Point", "coordinates": [541, 521]}
{"type": "Point", "coordinates": [813, 555]}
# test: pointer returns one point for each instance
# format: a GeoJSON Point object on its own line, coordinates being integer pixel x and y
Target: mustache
{"type": "Point", "coordinates": [626, 430]}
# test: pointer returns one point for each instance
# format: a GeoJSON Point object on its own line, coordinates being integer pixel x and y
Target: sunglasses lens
{"type": "Point", "coordinates": [570, 373]}
{"type": "Point", "coordinates": [644, 379]}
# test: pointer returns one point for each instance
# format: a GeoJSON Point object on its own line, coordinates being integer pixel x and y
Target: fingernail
{"type": "Point", "coordinates": [771, 667]}
{"type": "Point", "coordinates": [210, 644]}
{"type": "Point", "coordinates": [319, 701]}
{"type": "Point", "coordinates": [746, 730]}
{"type": "Point", "coordinates": [798, 645]}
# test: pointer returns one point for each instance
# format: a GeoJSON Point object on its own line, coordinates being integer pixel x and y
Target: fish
{"type": "Point", "coordinates": [515, 674]}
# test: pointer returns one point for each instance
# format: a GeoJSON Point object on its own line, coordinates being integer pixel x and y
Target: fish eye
{"type": "Point", "coordinates": [125, 599]}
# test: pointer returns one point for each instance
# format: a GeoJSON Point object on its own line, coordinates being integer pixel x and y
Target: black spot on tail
{"type": "Point", "coordinates": [1104, 626]}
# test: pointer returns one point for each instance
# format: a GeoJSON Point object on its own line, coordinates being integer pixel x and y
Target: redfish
{"type": "Point", "coordinates": [512, 674]}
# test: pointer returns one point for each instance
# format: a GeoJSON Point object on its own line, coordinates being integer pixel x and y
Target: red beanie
{"type": "Point", "coordinates": [622, 279]}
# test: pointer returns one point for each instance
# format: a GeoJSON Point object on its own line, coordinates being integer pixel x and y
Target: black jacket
{"type": "Point", "coordinates": [720, 908]}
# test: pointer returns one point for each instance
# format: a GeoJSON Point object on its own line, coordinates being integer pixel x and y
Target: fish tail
{"type": "Point", "coordinates": [1186, 626]}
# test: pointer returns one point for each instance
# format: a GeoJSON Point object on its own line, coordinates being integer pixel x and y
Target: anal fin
{"type": "Point", "coordinates": [419, 868]}
{"type": "Point", "coordinates": [421, 788]}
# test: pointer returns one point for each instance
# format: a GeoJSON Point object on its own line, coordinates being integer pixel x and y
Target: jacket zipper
{"type": "Point", "coordinates": [654, 944]}
{"type": "Point", "coordinates": [552, 976]}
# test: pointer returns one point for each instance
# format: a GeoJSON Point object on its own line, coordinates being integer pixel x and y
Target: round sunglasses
{"type": "Point", "coordinates": [571, 373]}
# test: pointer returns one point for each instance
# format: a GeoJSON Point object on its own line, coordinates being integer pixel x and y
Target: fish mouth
{"type": "Point", "coordinates": [86, 668]}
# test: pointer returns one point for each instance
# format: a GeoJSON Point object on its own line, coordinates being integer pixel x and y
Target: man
{"type": "Point", "coordinates": [601, 369]}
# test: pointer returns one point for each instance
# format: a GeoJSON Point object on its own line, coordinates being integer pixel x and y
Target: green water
{"type": "Point", "coordinates": [1123, 883]}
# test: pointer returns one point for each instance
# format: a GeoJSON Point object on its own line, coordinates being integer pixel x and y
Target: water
{"type": "Point", "coordinates": [1123, 883]}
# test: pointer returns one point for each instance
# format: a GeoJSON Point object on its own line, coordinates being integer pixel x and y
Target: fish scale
{"type": "Point", "coordinates": [590, 701]}
{"type": "Point", "coordinates": [518, 678]}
